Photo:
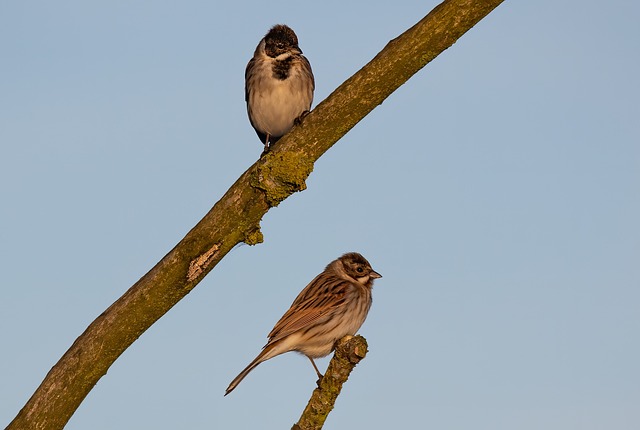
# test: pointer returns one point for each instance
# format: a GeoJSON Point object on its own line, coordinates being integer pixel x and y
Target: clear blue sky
{"type": "Point", "coordinates": [497, 192]}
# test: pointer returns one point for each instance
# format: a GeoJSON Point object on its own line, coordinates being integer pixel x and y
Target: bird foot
{"type": "Point", "coordinates": [299, 119]}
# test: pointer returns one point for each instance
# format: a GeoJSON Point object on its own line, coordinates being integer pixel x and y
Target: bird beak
{"type": "Point", "coordinates": [375, 275]}
{"type": "Point", "coordinates": [295, 50]}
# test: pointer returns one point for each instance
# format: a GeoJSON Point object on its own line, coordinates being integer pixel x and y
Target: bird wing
{"type": "Point", "coordinates": [247, 72]}
{"type": "Point", "coordinates": [321, 298]}
{"type": "Point", "coordinates": [308, 72]}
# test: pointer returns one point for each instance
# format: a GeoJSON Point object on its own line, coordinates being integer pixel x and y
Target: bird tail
{"type": "Point", "coordinates": [267, 353]}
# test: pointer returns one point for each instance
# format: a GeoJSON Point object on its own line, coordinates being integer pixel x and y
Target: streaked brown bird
{"type": "Point", "coordinates": [279, 85]}
{"type": "Point", "coordinates": [333, 305]}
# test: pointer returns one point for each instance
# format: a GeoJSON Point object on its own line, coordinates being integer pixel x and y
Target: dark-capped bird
{"type": "Point", "coordinates": [332, 306]}
{"type": "Point", "coordinates": [279, 85]}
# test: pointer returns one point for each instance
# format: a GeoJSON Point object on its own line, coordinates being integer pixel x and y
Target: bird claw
{"type": "Point", "coordinates": [299, 119]}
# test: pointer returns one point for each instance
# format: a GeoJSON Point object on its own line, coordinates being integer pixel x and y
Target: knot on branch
{"type": "Point", "coordinates": [351, 348]}
{"type": "Point", "coordinates": [254, 237]}
{"type": "Point", "coordinates": [280, 174]}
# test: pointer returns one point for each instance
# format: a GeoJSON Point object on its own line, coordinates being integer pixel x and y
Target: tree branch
{"type": "Point", "coordinates": [350, 351]}
{"type": "Point", "coordinates": [236, 216]}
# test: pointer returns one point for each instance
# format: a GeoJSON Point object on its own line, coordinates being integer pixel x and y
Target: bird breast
{"type": "Point", "coordinates": [276, 103]}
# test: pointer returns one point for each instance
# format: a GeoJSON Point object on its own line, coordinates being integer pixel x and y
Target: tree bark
{"type": "Point", "coordinates": [236, 216]}
{"type": "Point", "coordinates": [350, 350]}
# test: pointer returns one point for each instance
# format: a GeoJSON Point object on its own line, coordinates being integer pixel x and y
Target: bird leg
{"type": "Point", "coordinates": [320, 375]}
{"type": "Point", "coordinates": [266, 143]}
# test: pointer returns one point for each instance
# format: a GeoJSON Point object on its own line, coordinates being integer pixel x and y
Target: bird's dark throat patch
{"type": "Point", "coordinates": [281, 69]}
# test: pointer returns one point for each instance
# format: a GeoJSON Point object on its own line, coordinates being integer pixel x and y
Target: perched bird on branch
{"type": "Point", "coordinates": [333, 305]}
{"type": "Point", "coordinates": [279, 85]}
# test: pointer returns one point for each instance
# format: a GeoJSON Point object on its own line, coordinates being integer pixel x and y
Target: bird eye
{"type": "Point", "coordinates": [359, 270]}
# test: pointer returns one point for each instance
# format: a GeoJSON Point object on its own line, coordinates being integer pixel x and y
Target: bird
{"type": "Point", "coordinates": [279, 85]}
{"type": "Point", "coordinates": [333, 305]}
